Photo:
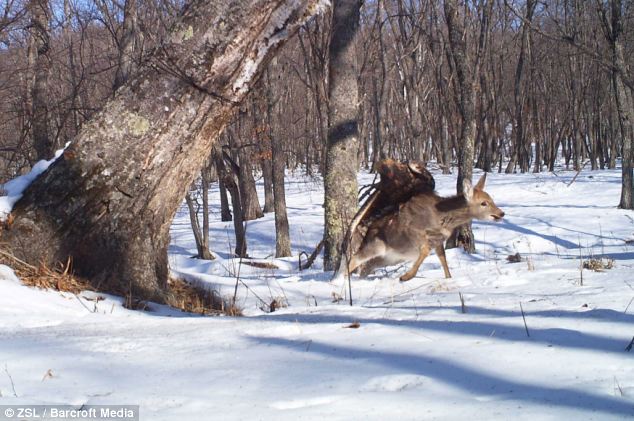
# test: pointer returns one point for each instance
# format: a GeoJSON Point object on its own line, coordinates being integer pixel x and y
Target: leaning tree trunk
{"type": "Point", "coordinates": [340, 178]}
{"type": "Point", "coordinates": [108, 202]}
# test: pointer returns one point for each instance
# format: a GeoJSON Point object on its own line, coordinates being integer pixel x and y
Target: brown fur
{"type": "Point", "coordinates": [420, 225]}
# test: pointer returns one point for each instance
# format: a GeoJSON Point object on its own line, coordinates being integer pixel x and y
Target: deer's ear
{"type": "Point", "coordinates": [481, 181]}
{"type": "Point", "coordinates": [467, 189]}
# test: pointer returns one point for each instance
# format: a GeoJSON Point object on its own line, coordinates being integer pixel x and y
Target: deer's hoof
{"type": "Point", "coordinates": [406, 277]}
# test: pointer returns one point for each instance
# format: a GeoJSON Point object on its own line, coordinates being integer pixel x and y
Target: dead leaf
{"type": "Point", "coordinates": [48, 374]}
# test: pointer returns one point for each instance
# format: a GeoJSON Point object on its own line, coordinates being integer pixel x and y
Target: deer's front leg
{"type": "Point", "coordinates": [424, 252]}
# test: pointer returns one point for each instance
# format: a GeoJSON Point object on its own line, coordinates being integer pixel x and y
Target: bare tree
{"type": "Point", "coordinates": [612, 24]}
{"type": "Point", "coordinates": [466, 67]}
{"type": "Point", "coordinates": [282, 236]}
{"type": "Point", "coordinates": [201, 234]}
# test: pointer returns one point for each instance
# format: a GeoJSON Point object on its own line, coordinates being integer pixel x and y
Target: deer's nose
{"type": "Point", "coordinates": [501, 214]}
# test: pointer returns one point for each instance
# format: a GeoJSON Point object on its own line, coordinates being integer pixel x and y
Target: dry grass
{"type": "Point", "coordinates": [59, 278]}
{"type": "Point", "coordinates": [277, 303]}
{"type": "Point", "coordinates": [260, 265]}
{"type": "Point", "coordinates": [198, 299]}
{"type": "Point", "coordinates": [598, 265]}
{"type": "Point", "coordinates": [181, 295]}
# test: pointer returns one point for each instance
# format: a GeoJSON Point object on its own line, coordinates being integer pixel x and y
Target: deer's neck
{"type": "Point", "coordinates": [454, 211]}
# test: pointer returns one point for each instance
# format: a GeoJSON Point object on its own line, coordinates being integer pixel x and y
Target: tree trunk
{"type": "Point", "coordinates": [466, 79]}
{"type": "Point", "coordinates": [108, 202]}
{"type": "Point", "coordinates": [228, 179]}
{"type": "Point", "coordinates": [625, 108]}
{"type": "Point", "coordinates": [282, 236]}
{"type": "Point", "coordinates": [225, 212]}
{"type": "Point", "coordinates": [246, 182]}
{"type": "Point", "coordinates": [202, 243]}
{"type": "Point", "coordinates": [613, 24]}
{"type": "Point", "coordinates": [206, 254]}
{"type": "Point", "coordinates": [519, 135]}
{"type": "Point", "coordinates": [41, 64]}
{"type": "Point", "coordinates": [267, 175]}
{"type": "Point", "coordinates": [128, 45]}
{"type": "Point", "coordinates": [340, 178]}
{"type": "Point", "coordinates": [263, 139]}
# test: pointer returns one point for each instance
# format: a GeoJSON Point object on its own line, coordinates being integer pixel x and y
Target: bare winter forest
{"type": "Point", "coordinates": [501, 85]}
{"type": "Point", "coordinates": [421, 209]}
{"type": "Point", "coordinates": [549, 79]}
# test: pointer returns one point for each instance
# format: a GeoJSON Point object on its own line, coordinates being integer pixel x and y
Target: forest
{"type": "Point", "coordinates": [551, 79]}
{"type": "Point", "coordinates": [497, 85]}
{"type": "Point", "coordinates": [188, 158]}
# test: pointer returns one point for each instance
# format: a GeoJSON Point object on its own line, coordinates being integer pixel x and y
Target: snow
{"type": "Point", "coordinates": [414, 355]}
{"type": "Point", "coordinates": [14, 188]}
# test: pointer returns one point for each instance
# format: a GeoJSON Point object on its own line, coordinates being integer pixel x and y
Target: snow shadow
{"type": "Point", "coordinates": [527, 231]}
{"type": "Point", "coordinates": [597, 314]}
{"type": "Point", "coordinates": [552, 337]}
{"type": "Point", "coordinates": [464, 377]}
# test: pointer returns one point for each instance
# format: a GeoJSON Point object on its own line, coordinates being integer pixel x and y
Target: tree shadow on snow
{"type": "Point", "coordinates": [464, 377]}
{"type": "Point", "coordinates": [551, 337]}
{"type": "Point", "coordinates": [522, 230]}
{"type": "Point", "coordinates": [597, 314]}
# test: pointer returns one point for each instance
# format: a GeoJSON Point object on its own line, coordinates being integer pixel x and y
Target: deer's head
{"type": "Point", "coordinates": [481, 205]}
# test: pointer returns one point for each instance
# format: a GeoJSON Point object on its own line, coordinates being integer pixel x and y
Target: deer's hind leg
{"type": "Point", "coordinates": [424, 252]}
{"type": "Point", "coordinates": [369, 251]}
{"type": "Point", "coordinates": [440, 251]}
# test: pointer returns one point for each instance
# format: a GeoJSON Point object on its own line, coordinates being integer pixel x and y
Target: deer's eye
{"type": "Point", "coordinates": [484, 203]}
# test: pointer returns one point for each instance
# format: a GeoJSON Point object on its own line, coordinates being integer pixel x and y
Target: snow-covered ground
{"type": "Point", "coordinates": [414, 355]}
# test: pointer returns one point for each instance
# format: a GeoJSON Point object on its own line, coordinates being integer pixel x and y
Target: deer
{"type": "Point", "coordinates": [422, 224]}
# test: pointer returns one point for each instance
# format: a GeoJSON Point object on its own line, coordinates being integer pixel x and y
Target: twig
{"type": "Point", "coordinates": [6, 370]}
{"type": "Point", "coordinates": [84, 305]}
{"type": "Point", "coordinates": [628, 305]}
{"type": "Point", "coordinates": [11, 256]}
{"type": "Point", "coordinates": [463, 307]}
{"type": "Point", "coordinates": [347, 255]}
{"type": "Point", "coordinates": [238, 280]}
{"type": "Point", "coordinates": [617, 386]}
{"type": "Point", "coordinates": [349, 280]}
{"type": "Point", "coordinates": [629, 347]}
{"type": "Point", "coordinates": [580, 264]}
{"type": "Point", "coordinates": [576, 175]}
{"type": "Point", "coordinates": [524, 318]}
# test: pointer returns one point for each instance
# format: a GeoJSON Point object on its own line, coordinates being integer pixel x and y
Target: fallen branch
{"type": "Point", "coordinates": [577, 174]}
{"type": "Point", "coordinates": [312, 257]}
